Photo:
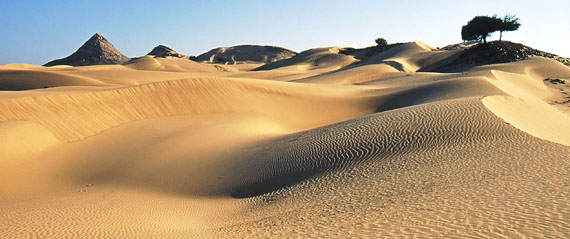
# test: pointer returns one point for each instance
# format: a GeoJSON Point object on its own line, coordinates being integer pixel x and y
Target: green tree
{"type": "Point", "coordinates": [509, 23]}
{"type": "Point", "coordinates": [480, 27]}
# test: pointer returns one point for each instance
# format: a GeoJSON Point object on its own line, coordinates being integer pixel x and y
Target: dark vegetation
{"type": "Point", "coordinates": [381, 42]}
{"type": "Point", "coordinates": [481, 27]}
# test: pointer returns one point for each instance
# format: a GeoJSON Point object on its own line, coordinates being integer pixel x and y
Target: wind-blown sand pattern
{"type": "Point", "coordinates": [317, 145]}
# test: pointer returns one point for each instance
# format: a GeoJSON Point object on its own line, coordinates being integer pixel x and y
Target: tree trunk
{"type": "Point", "coordinates": [500, 35]}
{"type": "Point", "coordinates": [484, 40]}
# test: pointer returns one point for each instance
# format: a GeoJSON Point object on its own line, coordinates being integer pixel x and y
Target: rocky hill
{"type": "Point", "coordinates": [493, 53]}
{"type": "Point", "coordinates": [246, 53]}
{"type": "Point", "coordinates": [164, 51]}
{"type": "Point", "coordinates": [96, 51]}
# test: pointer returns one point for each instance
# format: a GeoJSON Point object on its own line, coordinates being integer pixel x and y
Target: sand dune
{"type": "Point", "coordinates": [309, 63]}
{"type": "Point", "coordinates": [410, 57]}
{"type": "Point", "coordinates": [312, 59]}
{"type": "Point", "coordinates": [389, 179]}
{"type": "Point", "coordinates": [137, 71]}
{"type": "Point", "coordinates": [318, 145]}
{"type": "Point", "coordinates": [172, 64]}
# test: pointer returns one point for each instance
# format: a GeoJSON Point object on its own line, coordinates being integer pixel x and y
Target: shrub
{"type": "Point", "coordinates": [381, 42]}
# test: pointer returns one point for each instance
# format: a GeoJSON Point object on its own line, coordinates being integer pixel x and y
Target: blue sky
{"type": "Point", "coordinates": [36, 32]}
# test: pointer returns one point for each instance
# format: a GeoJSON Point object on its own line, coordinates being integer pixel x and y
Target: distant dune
{"type": "Point", "coordinates": [326, 143]}
{"type": "Point", "coordinates": [312, 59]}
{"type": "Point", "coordinates": [180, 64]}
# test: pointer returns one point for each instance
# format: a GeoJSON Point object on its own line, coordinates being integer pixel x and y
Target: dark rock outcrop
{"type": "Point", "coordinates": [246, 53]}
{"type": "Point", "coordinates": [96, 51]}
{"type": "Point", "coordinates": [363, 53]}
{"type": "Point", "coordinates": [493, 53]}
{"type": "Point", "coordinates": [555, 81]}
{"type": "Point", "coordinates": [164, 51]}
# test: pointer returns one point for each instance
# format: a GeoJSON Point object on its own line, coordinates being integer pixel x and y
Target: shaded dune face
{"type": "Point", "coordinates": [12, 80]}
{"type": "Point", "coordinates": [320, 144]}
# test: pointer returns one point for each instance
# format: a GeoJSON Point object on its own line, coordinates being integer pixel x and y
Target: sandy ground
{"type": "Point", "coordinates": [319, 145]}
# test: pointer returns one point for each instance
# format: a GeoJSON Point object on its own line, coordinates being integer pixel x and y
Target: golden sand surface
{"type": "Point", "coordinates": [321, 145]}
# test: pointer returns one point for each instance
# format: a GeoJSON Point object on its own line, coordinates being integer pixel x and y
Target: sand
{"type": "Point", "coordinates": [318, 145]}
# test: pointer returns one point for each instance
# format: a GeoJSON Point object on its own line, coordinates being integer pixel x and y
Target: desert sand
{"type": "Point", "coordinates": [318, 145]}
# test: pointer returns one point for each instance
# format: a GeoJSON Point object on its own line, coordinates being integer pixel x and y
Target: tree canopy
{"type": "Point", "coordinates": [481, 27]}
{"type": "Point", "coordinates": [509, 23]}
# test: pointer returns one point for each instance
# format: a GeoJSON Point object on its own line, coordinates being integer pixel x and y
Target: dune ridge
{"type": "Point", "coordinates": [104, 109]}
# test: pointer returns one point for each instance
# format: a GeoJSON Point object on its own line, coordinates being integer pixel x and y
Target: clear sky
{"type": "Point", "coordinates": [36, 32]}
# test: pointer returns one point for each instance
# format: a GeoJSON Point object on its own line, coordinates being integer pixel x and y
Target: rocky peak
{"type": "Point", "coordinates": [95, 51]}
